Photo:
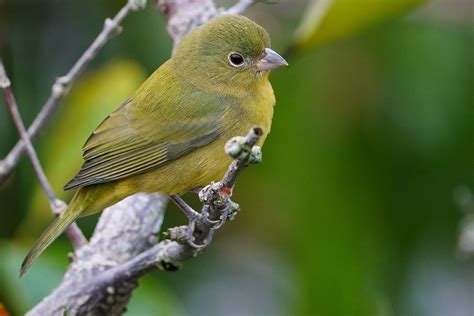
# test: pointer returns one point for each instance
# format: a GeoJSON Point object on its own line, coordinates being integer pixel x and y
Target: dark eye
{"type": "Point", "coordinates": [236, 59]}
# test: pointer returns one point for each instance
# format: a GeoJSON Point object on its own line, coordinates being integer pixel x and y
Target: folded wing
{"type": "Point", "coordinates": [129, 142]}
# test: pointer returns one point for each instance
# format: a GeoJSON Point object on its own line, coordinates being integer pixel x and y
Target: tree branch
{"type": "Point", "coordinates": [185, 15]}
{"type": "Point", "coordinates": [106, 271]}
{"type": "Point", "coordinates": [57, 206]}
{"type": "Point", "coordinates": [62, 84]}
{"type": "Point", "coordinates": [241, 6]}
{"type": "Point", "coordinates": [123, 232]}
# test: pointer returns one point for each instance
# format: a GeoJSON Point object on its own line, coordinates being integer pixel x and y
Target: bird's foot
{"type": "Point", "coordinates": [215, 195]}
{"type": "Point", "coordinates": [216, 198]}
{"type": "Point", "coordinates": [190, 237]}
{"type": "Point", "coordinates": [218, 208]}
{"type": "Point", "coordinates": [193, 217]}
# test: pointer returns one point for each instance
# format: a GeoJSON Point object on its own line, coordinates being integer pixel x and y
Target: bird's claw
{"type": "Point", "coordinates": [190, 239]}
{"type": "Point", "coordinates": [214, 195]}
{"type": "Point", "coordinates": [227, 214]}
{"type": "Point", "coordinates": [190, 235]}
{"type": "Point", "coordinates": [205, 217]}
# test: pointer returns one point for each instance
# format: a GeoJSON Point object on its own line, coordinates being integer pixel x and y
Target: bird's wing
{"type": "Point", "coordinates": [136, 138]}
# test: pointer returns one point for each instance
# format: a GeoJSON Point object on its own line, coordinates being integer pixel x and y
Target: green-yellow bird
{"type": "Point", "coordinates": [169, 136]}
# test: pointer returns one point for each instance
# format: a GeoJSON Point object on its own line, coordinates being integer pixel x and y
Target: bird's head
{"type": "Point", "coordinates": [228, 53]}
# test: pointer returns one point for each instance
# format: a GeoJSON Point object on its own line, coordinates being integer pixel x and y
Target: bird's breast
{"type": "Point", "coordinates": [253, 110]}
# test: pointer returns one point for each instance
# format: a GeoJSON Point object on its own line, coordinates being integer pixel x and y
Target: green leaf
{"type": "Point", "coordinates": [329, 20]}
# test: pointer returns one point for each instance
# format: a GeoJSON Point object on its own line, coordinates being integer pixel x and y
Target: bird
{"type": "Point", "coordinates": [169, 136]}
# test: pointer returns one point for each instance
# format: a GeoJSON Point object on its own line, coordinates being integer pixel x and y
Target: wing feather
{"type": "Point", "coordinates": [123, 144]}
{"type": "Point", "coordinates": [166, 119]}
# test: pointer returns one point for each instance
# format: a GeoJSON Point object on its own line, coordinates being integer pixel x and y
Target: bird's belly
{"type": "Point", "coordinates": [196, 169]}
{"type": "Point", "coordinates": [193, 170]}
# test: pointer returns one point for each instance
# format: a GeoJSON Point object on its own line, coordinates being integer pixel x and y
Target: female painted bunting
{"type": "Point", "coordinates": [169, 136]}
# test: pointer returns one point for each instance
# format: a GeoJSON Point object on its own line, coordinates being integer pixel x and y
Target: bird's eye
{"type": "Point", "coordinates": [236, 59]}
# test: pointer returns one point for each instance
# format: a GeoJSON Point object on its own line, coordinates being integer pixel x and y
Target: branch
{"type": "Point", "coordinates": [185, 15]}
{"type": "Point", "coordinates": [106, 271]}
{"type": "Point", "coordinates": [57, 206]}
{"type": "Point", "coordinates": [123, 232]}
{"type": "Point", "coordinates": [62, 84]}
{"type": "Point", "coordinates": [241, 6]}
{"type": "Point", "coordinates": [218, 208]}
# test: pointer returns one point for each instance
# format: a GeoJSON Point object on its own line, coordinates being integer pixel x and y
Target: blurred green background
{"type": "Point", "coordinates": [352, 210]}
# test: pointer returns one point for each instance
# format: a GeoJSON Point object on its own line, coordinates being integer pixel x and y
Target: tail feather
{"type": "Point", "coordinates": [87, 200]}
{"type": "Point", "coordinates": [53, 231]}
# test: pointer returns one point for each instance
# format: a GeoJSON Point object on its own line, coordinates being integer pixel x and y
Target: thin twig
{"type": "Point", "coordinates": [185, 15]}
{"type": "Point", "coordinates": [244, 153]}
{"type": "Point", "coordinates": [62, 84]}
{"type": "Point", "coordinates": [217, 205]}
{"type": "Point", "coordinates": [57, 206]}
{"type": "Point", "coordinates": [13, 107]}
{"type": "Point", "coordinates": [240, 6]}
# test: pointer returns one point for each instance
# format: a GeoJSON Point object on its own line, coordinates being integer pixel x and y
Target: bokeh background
{"type": "Point", "coordinates": [353, 210]}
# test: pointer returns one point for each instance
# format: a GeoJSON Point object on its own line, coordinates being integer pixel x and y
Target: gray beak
{"type": "Point", "coordinates": [270, 60]}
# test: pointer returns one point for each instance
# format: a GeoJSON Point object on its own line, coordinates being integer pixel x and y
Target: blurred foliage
{"type": "Point", "coordinates": [351, 212]}
{"type": "Point", "coordinates": [19, 293]}
{"type": "Point", "coordinates": [91, 100]}
{"type": "Point", "coordinates": [329, 20]}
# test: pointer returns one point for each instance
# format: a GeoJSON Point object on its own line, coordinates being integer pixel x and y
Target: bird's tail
{"type": "Point", "coordinates": [87, 200]}
{"type": "Point", "coordinates": [60, 224]}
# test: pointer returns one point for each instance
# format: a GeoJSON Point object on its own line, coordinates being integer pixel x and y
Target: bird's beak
{"type": "Point", "coordinates": [270, 60]}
